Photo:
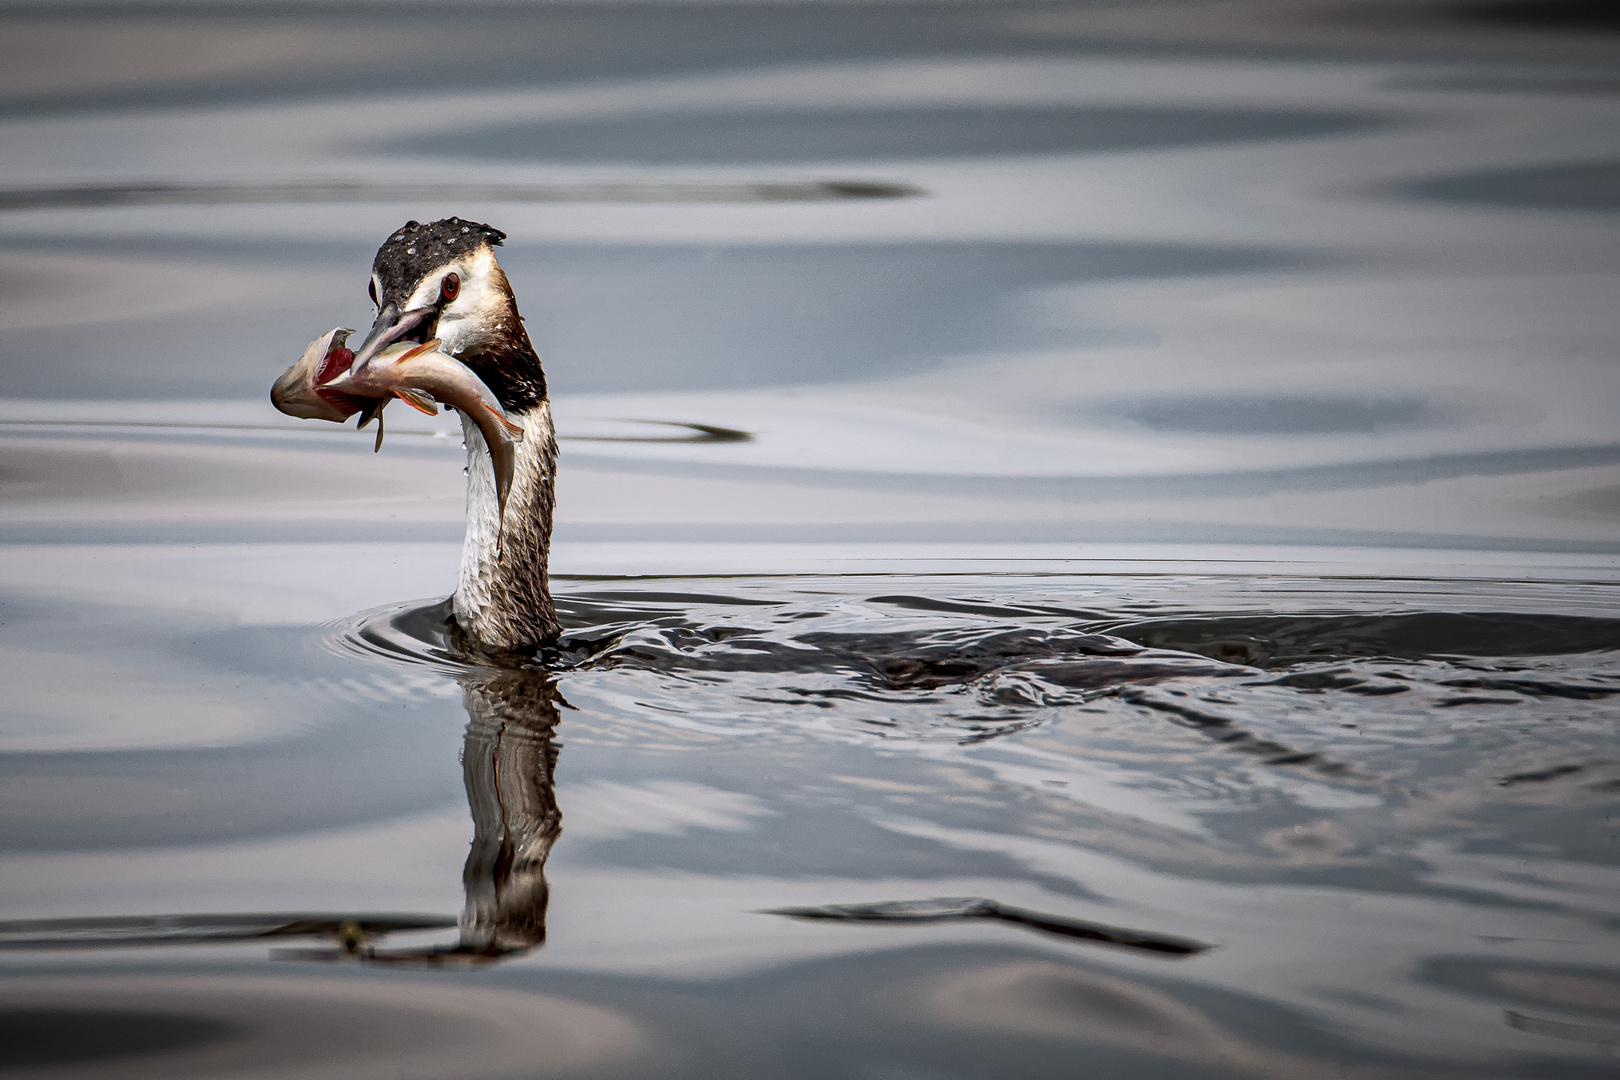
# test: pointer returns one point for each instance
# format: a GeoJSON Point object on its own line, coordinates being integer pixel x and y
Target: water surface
{"type": "Point", "coordinates": [1086, 540]}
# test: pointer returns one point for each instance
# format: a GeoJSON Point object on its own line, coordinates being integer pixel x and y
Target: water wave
{"type": "Point", "coordinates": [1343, 695]}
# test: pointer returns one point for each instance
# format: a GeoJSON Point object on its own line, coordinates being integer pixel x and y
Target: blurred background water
{"type": "Point", "coordinates": [1145, 472]}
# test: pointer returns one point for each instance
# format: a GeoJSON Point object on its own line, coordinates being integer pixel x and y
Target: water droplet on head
{"type": "Point", "coordinates": [465, 229]}
{"type": "Point", "coordinates": [410, 251]}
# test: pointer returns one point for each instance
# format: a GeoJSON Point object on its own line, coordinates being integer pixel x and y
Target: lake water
{"type": "Point", "coordinates": [1087, 543]}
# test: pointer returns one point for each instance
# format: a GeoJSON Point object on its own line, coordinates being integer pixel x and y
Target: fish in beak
{"type": "Point", "coordinates": [303, 390]}
{"type": "Point", "coordinates": [330, 382]}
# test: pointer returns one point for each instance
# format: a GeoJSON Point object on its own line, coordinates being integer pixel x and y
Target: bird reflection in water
{"type": "Point", "coordinates": [508, 763]}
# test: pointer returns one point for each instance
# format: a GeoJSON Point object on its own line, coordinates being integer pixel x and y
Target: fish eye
{"type": "Point", "coordinates": [450, 287]}
{"type": "Point", "coordinates": [371, 290]}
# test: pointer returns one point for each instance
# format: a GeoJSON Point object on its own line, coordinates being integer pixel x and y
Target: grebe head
{"type": "Point", "coordinates": [441, 280]}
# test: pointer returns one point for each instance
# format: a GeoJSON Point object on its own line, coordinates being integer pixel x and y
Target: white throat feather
{"type": "Point", "coordinates": [503, 597]}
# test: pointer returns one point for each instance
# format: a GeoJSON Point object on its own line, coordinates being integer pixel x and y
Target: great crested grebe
{"type": "Point", "coordinates": [448, 330]}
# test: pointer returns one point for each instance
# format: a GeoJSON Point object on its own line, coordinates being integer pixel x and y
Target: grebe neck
{"type": "Point", "coordinates": [503, 597]}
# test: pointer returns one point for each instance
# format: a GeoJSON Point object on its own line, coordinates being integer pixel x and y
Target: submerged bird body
{"type": "Point", "coordinates": [448, 328]}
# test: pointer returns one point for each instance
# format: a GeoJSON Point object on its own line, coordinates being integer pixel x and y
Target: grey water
{"type": "Point", "coordinates": [1086, 544]}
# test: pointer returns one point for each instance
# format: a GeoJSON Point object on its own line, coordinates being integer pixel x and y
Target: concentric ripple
{"type": "Point", "coordinates": [1115, 670]}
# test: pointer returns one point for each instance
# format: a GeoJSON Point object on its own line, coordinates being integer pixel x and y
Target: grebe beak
{"type": "Point", "coordinates": [392, 325]}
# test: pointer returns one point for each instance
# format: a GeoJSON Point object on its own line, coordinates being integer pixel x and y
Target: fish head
{"type": "Point", "coordinates": [305, 390]}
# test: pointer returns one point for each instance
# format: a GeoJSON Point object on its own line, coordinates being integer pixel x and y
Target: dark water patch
{"type": "Point", "coordinates": [977, 909]}
{"type": "Point", "coordinates": [784, 136]}
{"type": "Point", "coordinates": [1577, 15]}
{"type": "Point", "coordinates": [84, 196]}
{"type": "Point", "coordinates": [213, 929]}
{"type": "Point", "coordinates": [698, 433]}
{"type": "Point", "coordinates": [1276, 641]}
{"type": "Point", "coordinates": [1541, 775]}
{"type": "Point", "coordinates": [1591, 185]}
{"type": "Point", "coordinates": [43, 1038]}
{"type": "Point", "coordinates": [1207, 414]}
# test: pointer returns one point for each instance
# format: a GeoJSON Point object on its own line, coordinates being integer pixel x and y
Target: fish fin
{"type": "Point", "coordinates": [514, 430]}
{"type": "Point", "coordinates": [377, 447]}
{"type": "Point", "coordinates": [370, 409]}
{"type": "Point", "coordinates": [425, 347]}
{"type": "Point", "coordinates": [417, 400]}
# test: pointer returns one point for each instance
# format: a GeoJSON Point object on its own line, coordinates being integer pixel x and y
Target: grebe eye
{"type": "Point", "coordinates": [450, 287]}
{"type": "Point", "coordinates": [371, 291]}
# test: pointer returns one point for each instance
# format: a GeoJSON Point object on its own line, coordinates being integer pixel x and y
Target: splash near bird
{"type": "Point", "coordinates": [447, 332]}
